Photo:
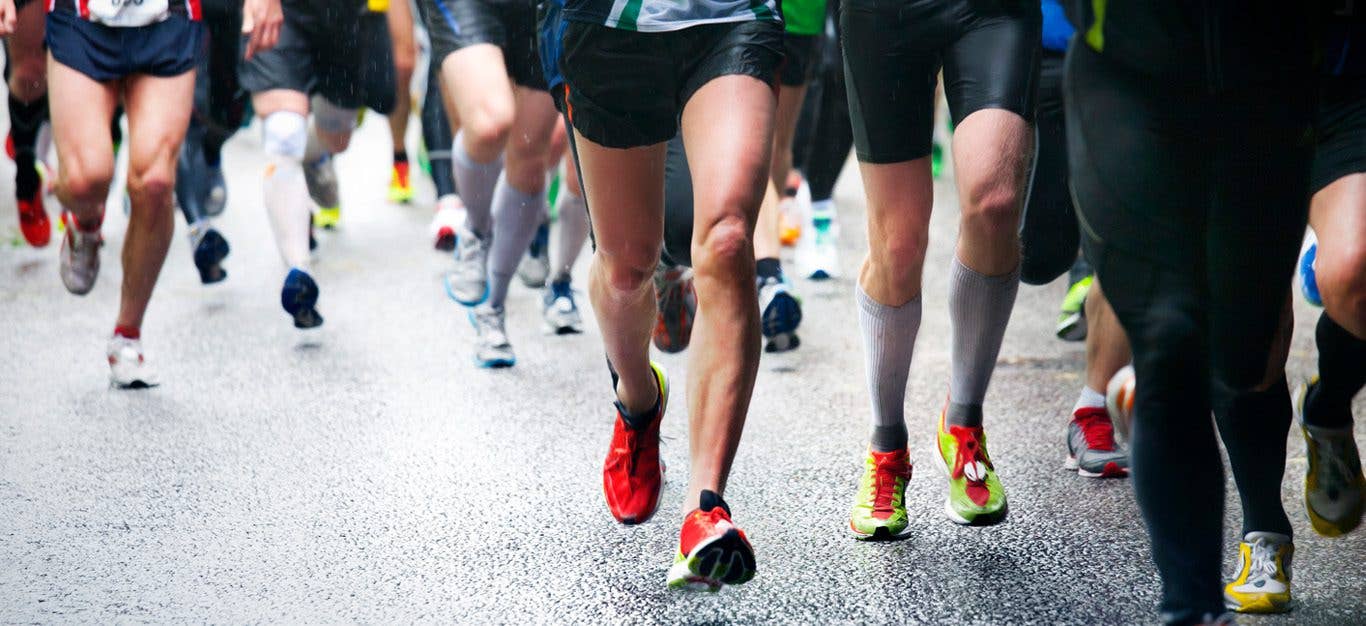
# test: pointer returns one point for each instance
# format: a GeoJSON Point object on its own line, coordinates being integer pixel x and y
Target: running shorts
{"type": "Point", "coordinates": [510, 25]}
{"type": "Point", "coordinates": [1341, 130]}
{"type": "Point", "coordinates": [801, 54]}
{"type": "Point", "coordinates": [342, 53]}
{"type": "Point", "coordinates": [167, 48]}
{"type": "Point", "coordinates": [625, 89]}
{"type": "Point", "coordinates": [989, 52]}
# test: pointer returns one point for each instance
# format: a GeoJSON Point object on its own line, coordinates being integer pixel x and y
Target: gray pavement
{"type": "Point", "coordinates": [369, 472]}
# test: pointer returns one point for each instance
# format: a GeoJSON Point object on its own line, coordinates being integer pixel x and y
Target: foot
{"type": "Point", "coordinates": [321, 178]}
{"type": "Point", "coordinates": [712, 550]}
{"type": "Point", "coordinates": [33, 220]}
{"type": "Point", "coordinates": [1262, 584]}
{"type": "Point", "coordinates": [80, 256]}
{"type": "Point", "coordinates": [491, 346]}
{"type": "Point", "coordinates": [780, 310]}
{"type": "Point", "coordinates": [1072, 315]}
{"type": "Point", "coordinates": [818, 251]}
{"type": "Point", "coordinates": [1334, 489]}
{"type": "Point", "coordinates": [677, 306]}
{"type": "Point", "coordinates": [1091, 447]}
{"type": "Point", "coordinates": [210, 248]}
{"type": "Point", "coordinates": [400, 187]}
{"type": "Point", "coordinates": [449, 214]}
{"type": "Point", "coordinates": [976, 497]}
{"type": "Point", "coordinates": [468, 282]}
{"type": "Point", "coordinates": [633, 474]}
{"type": "Point", "coordinates": [559, 310]}
{"type": "Point", "coordinates": [299, 297]}
{"type": "Point", "coordinates": [880, 506]}
{"type": "Point", "coordinates": [128, 368]}
{"type": "Point", "coordinates": [327, 217]}
{"type": "Point", "coordinates": [534, 267]}
{"type": "Point", "coordinates": [1119, 401]}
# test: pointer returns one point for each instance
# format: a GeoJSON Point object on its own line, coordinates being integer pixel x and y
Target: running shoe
{"type": "Point", "coordinates": [712, 550]}
{"type": "Point", "coordinates": [299, 297]}
{"type": "Point", "coordinates": [1262, 584]}
{"type": "Point", "coordinates": [780, 314]}
{"type": "Point", "coordinates": [1334, 489]}
{"type": "Point", "coordinates": [128, 367]}
{"type": "Point", "coordinates": [1119, 401]}
{"type": "Point", "coordinates": [491, 346]}
{"type": "Point", "coordinates": [321, 178]}
{"type": "Point", "coordinates": [559, 310]}
{"type": "Point", "coordinates": [1091, 447]}
{"type": "Point", "coordinates": [468, 282]}
{"type": "Point", "coordinates": [33, 220]}
{"type": "Point", "coordinates": [976, 497]}
{"type": "Point", "coordinates": [80, 256]}
{"type": "Point", "coordinates": [449, 214]}
{"type": "Point", "coordinates": [880, 504]}
{"type": "Point", "coordinates": [210, 248]}
{"type": "Point", "coordinates": [677, 306]}
{"type": "Point", "coordinates": [400, 187]}
{"type": "Point", "coordinates": [1309, 284]}
{"type": "Point", "coordinates": [818, 251]}
{"type": "Point", "coordinates": [789, 222]}
{"type": "Point", "coordinates": [534, 267]}
{"type": "Point", "coordinates": [633, 473]}
{"type": "Point", "coordinates": [1072, 316]}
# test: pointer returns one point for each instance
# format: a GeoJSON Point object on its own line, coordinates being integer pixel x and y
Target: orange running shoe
{"type": "Point", "coordinates": [712, 550]}
{"type": "Point", "coordinates": [633, 474]}
{"type": "Point", "coordinates": [789, 225]}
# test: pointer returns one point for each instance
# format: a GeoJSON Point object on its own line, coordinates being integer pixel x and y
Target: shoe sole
{"type": "Point", "coordinates": [567, 329]}
{"type": "Point", "coordinates": [301, 308]}
{"type": "Point", "coordinates": [1111, 469]}
{"type": "Point", "coordinates": [782, 315]}
{"type": "Point", "coordinates": [820, 275]}
{"type": "Point", "coordinates": [785, 342]}
{"type": "Point", "coordinates": [132, 384]}
{"type": "Point", "coordinates": [1261, 606]}
{"type": "Point", "coordinates": [1072, 328]}
{"type": "Point", "coordinates": [716, 562]}
{"type": "Point", "coordinates": [881, 534]}
{"type": "Point", "coordinates": [983, 519]}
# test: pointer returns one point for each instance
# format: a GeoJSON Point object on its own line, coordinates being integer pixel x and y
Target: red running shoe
{"type": "Point", "coordinates": [33, 220]}
{"type": "Point", "coordinates": [712, 550]}
{"type": "Point", "coordinates": [633, 474]}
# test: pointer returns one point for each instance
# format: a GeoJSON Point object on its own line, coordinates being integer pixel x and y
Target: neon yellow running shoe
{"type": "Point", "coordinates": [1072, 315]}
{"type": "Point", "coordinates": [327, 217]}
{"type": "Point", "coordinates": [880, 506]}
{"type": "Point", "coordinates": [976, 497]}
{"type": "Point", "coordinates": [1263, 581]}
{"type": "Point", "coordinates": [400, 186]}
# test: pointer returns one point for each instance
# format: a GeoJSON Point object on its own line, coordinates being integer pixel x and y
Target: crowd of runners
{"type": "Point", "coordinates": [1168, 152]}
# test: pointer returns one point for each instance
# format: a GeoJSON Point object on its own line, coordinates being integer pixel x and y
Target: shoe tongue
{"type": "Point", "coordinates": [1255, 536]}
{"type": "Point", "coordinates": [710, 500]}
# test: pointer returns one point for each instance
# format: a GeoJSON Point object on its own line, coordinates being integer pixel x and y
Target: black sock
{"type": "Point", "coordinates": [1342, 372]}
{"type": "Point", "coordinates": [1253, 426]}
{"type": "Point", "coordinates": [116, 131]}
{"type": "Point", "coordinates": [769, 268]}
{"type": "Point", "coordinates": [639, 421]}
{"type": "Point", "coordinates": [213, 147]}
{"type": "Point", "coordinates": [400, 156]}
{"type": "Point", "coordinates": [25, 120]}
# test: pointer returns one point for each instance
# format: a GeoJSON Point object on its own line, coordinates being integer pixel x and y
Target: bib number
{"type": "Point", "coordinates": [128, 13]}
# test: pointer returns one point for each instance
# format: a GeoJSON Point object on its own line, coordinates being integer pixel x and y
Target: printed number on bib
{"type": "Point", "coordinates": [128, 13]}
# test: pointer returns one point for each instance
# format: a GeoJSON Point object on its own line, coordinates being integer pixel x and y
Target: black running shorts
{"type": "Point", "coordinates": [167, 48]}
{"type": "Point", "coordinates": [627, 89]}
{"type": "Point", "coordinates": [510, 25]}
{"type": "Point", "coordinates": [989, 51]}
{"type": "Point", "coordinates": [339, 53]}
{"type": "Point", "coordinates": [799, 66]}
{"type": "Point", "coordinates": [1341, 130]}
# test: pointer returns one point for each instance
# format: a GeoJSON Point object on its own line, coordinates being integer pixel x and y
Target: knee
{"type": "Point", "coordinates": [1341, 276]}
{"type": "Point", "coordinates": [151, 183]}
{"type": "Point", "coordinates": [85, 178]}
{"type": "Point", "coordinates": [992, 208]}
{"type": "Point", "coordinates": [488, 128]}
{"type": "Point", "coordinates": [628, 269]}
{"type": "Point", "coordinates": [284, 134]}
{"type": "Point", "coordinates": [525, 166]}
{"type": "Point", "coordinates": [28, 81]}
{"type": "Point", "coordinates": [723, 247]}
{"type": "Point", "coordinates": [900, 258]}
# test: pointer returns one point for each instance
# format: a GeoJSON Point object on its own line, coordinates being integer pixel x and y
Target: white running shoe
{"type": "Point", "coordinates": [491, 347]}
{"type": "Point", "coordinates": [80, 256]}
{"type": "Point", "coordinates": [818, 248]}
{"type": "Point", "coordinates": [560, 311]}
{"type": "Point", "coordinates": [450, 214]}
{"type": "Point", "coordinates": [468, 282]}
{"type": "Point", "coordinates": [128, 367]}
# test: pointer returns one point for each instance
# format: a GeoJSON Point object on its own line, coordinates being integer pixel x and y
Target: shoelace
{"type": "Point", "coordinates": [1097, 429]}
{"type": "Point", "coordinates": [969, 451]}
{"type": "Point", "coordinates": [1263, 565]}
{"type": "Point", "coordinates": [885, 473]}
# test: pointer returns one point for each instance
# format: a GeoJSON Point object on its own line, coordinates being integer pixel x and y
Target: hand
{"type": "Point", "coordinates": [261, 20]}
{"type": "Point", "coordinates": [8, 17]}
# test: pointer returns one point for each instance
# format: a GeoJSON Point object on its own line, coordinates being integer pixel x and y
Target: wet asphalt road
{"type": "Point", "coordinates": [369, 472]}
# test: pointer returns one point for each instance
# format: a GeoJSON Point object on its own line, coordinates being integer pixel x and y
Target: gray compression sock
{"type": "Point", "coordinates": [979, 307]}
{"type": "Point", "coordinates": [888, 342]}
{"type": "Point", "coordinates": [475, 181]}
{"type": "Point", "coordinates": [516, 215]}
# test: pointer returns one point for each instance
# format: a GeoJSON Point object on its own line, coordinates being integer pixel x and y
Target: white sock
{"type": "Point", "coordinates": [568, 234]}
{"type": "Point", "coordinates": [1089, 399]}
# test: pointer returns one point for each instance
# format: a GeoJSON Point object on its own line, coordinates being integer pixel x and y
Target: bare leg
{"type": "Point", "coordinates": [1107, 348]}
{"type": "Point", "coordinates": [81, 109]}
{"type": "Point", "coordinates": [400, 18]}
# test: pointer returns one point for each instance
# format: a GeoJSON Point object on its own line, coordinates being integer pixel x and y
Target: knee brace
{"type": "Point", "coordinates": [285, 134]}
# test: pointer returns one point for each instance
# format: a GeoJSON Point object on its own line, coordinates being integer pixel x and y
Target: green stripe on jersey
{"type": "Point", "coordinates": [1095, 35]}
{"type": "Point", "coordinates": [629, 14]}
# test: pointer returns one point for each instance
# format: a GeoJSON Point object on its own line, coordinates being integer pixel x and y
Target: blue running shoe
{"type": "Point", "coordinates": [210, 249]}
{"type": "Point", "coordinates": [1309, 285]}
{"type": "Point", "coordinates": [781, 312]}
{"type": "Point", "coordinates": [298, 297]}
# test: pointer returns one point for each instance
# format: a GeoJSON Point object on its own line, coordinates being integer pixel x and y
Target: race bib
{"type": "Point", "coordinates": [128, 13]}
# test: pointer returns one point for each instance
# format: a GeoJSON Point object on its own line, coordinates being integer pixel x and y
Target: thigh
{"type": "Point", "coordinates": [890, 82]}
{"type": "Point", "coordinates": [727, 131]}
{"type": "Point", "coordinates": [158, 110]}
{"type": "Point", "coordinates": [994, 61]}
{"type": "Point", "coordinates": [625, 193]}
{"type": "Point", "coordinates": [80, 109]}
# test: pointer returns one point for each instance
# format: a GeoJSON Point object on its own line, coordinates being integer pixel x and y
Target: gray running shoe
{"type": "Point", "coordinates": [321, 178]}
{"type": "Point", "coordinates": [1091, 447]}
{"type": "Point", "coordinates": [534, 268]}
{"type": "Point", "coordinates": [560, 311]}
{"type": "Point", "coordinates": [491, 348]}
{"type": "Point", "coordinates": [80, 257]}
{"type": "Point", "coordinates": [677, 304]}
{"type": "Point", "coordinates": [468, 283]}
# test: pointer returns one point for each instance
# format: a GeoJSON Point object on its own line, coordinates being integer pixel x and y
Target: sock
{"type": "Point", "coordinates": [980, 309]}
{"type": "Point", "coordinates": [639, 421]}
{"type": "Point", "coordinates": [25, 120]}
{"type": "Point", "coordinates": [213, 147]}
{"type": "Point", "coordinates": [824, 208]}
{"type": "Point", "coordinates": [400, 156]}
{"type": "Point", "coordinates": [1253, 426]}
{"type": "Point", "coordinates": [516, 216]}
{"type": "Point", "coordinates": [476, 182]}
{"type": "Point", "coordinates": [888, 342]}
{"type": "Point", "coordinates": [768, 268]}
{"type": "Point", "coordinates": [130, 332]}
{"type": "Point", "coordinates": [286, 199]}
{"type": "Point", "coordinates": [1089, 399]}
{"type": "Point", "coordinates": [569, 234]}
{"type": "Point", "coordinates": [1342, 372]}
